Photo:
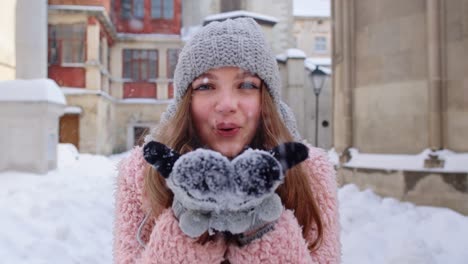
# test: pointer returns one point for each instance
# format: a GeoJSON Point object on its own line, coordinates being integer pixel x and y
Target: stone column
{"type": "Point", "coordinates": [295, 94]}
{"type": "Point", "coordinates": [343, 73]}
{"type": "Point", "coordinates": [434, 73]}
{"type": "Point", "coordinates": [31, 39]}
{"type": "Point", "coordinates": [93, 73]}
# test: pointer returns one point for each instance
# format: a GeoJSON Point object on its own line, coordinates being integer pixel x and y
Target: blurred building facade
{"type": "Point", "coordinates": [400, 87]}
{"type": "Point", "coordinates": [194, 12]}
{"type": "Point", "coordinates": [114, 60]}
{"type": "Point", "coordinates": [312, 34]}
{"type": "Point", "coordinates": [312, 28]}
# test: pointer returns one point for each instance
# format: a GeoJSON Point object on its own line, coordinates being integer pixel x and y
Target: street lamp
{"type": "Point", "coordinates": [318, 80]}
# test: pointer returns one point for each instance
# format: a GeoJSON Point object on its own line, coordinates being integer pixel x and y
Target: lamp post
{"type": "Point", "coordinates": [318, 80]}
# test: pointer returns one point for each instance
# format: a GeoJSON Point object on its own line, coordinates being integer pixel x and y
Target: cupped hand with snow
{"type": "Point", "coordinates": [212, 192]}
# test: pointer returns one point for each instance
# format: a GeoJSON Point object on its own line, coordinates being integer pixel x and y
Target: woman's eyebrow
{"type": "Point", "coordinates": [244, 74]}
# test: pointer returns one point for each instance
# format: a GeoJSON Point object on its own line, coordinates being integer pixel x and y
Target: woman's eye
{"type": "Point", "coordinates": [202, 87]}
{"type": "Point", "coordinates": [248, 85]}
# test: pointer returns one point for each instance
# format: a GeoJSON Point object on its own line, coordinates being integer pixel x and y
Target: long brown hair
{"type": "Point", "coordinates": [295, 192]}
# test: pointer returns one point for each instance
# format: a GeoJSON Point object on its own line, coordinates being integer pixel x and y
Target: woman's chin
{"type": "Point", "coordinates": [228, 150]}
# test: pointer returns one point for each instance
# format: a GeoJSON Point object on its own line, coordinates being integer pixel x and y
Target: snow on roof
{"type": "Point", "coordinates": [295, 53]}
{"type": "Point", "coordinates": [319, 61]}
{"type": "Point", "coordinates": [146, 37]}
{"type": "Point", "coordinates": [87, 8]}
{"type": "Point", "coordinates": [322, 63]}
{"type": "Point", "coordinates": [454, 162]}
{"type": "Point", "coordinates": [291, 54]}
{"type": "Point", "coordinates": [82, 91]}
{"type": "Point", "coordinates": [37, 90]}
{"type": "Point", "coordinates": [311, 8]}
{"type": "Point", "coordinates": [240, 13]}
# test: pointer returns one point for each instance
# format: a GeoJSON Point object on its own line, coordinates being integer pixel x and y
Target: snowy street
{"type": "Point", "coordinates": [66, 216]}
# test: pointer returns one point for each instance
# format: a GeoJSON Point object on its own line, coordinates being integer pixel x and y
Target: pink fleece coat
{"type": "Point", "coordinates": [165, 242]}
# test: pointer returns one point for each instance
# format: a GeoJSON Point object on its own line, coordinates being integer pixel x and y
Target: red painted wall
{"type": "Point", "coordinates": [148, 25]}
{"type": "Point", "coordinates": [139, 90]}
{"type": "Point", "coordinates": [68, 76]}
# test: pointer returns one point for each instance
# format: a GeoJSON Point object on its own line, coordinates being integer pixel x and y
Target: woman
{"type": "Point", "coordinates": [227, 99]}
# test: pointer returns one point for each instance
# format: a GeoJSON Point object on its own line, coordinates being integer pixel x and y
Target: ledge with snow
{"type": "Point", "coordinates": [29, 118]}
{"type": "Point", "coordinates": [435, 178]}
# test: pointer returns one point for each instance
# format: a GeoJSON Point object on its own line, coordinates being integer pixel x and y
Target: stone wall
{"type": "Point", "coordinates": [400, 74]}
{"type": "Point", "coordinates": [422, 188]}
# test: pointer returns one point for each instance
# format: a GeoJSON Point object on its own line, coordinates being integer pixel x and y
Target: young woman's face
{"type": "Point", "coordinates": [225, 109]}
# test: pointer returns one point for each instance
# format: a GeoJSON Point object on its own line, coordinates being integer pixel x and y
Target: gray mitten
{"type": "Point", "coordinates": [213, 193]}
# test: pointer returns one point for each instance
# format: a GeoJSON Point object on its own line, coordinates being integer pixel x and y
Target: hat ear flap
{"type": "Point", "coordinates": [290, 154]}
{"type": "Point", "coordinates": [161, 157]}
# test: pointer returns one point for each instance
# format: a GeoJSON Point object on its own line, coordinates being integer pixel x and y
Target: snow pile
{"type": "Point", "coordinates": [31, 90]}
{"type": "Point", "coordinates": [384, 230]}
{"type": "Point", "coordinates": [66, 216]}
{"type": "Point", "coordinates": [454, 162]}
{"type": "Point", "coordinates": [334, 157]}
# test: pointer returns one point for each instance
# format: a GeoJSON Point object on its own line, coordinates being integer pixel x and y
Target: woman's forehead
{"type": "Point", "coordinates": [213, 73]}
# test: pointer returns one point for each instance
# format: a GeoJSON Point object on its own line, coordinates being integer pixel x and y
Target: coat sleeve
{"type": "Point", "coordinates": [324, 189]}
{"type": "Point", "coordinates": [285, 244]}
{"type": "Point", "coordinates": [165, 242]}
{"type": "Point", "coordinates": [128, 208]}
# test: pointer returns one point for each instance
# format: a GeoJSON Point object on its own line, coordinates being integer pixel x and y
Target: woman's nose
{"type": "Point", "coordinates": [226, 102]}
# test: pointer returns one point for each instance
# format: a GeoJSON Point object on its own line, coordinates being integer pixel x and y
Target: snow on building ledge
{"type": "Point", "coordinates": [324, 64]}
{"type": "Point", "coordinates": [291, 54]}
{"type": "Point", "coordinates": [260, 18]}
{"type": "Point", "coordinates": [73, 110]}
{"type": "Point", "coordinates": [38, 90]}
{"type": "Point", "coordinates": [453, 162]}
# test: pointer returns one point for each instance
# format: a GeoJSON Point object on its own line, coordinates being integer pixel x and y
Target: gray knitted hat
{"type": "Point", "coordinates": [238, 43]}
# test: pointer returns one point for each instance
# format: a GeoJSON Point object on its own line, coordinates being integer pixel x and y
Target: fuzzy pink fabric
{"type": "Point", "coordinates": [167, 244]}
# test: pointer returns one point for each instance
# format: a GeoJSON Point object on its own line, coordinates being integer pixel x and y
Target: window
{"type": "Point", "coordinates": [162, 9]}
{"type": "Point", "coordinates": [139, 133]}
{"type": "Point", "coordinates": [67, 43]}
{"type": "Point", "coordinates": [133, 9]}
{"type": "Point", "coordinates": [320, 44]}
{"type": "Point", "coordinates": [140, 65]}
{"type": "Point", "coordinates": [172, 57]}
{"type": "Point", "coordinates": [230, 5]}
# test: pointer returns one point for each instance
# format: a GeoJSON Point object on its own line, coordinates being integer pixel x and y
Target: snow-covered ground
{"type": "Point", "coordinates": [66, 217]}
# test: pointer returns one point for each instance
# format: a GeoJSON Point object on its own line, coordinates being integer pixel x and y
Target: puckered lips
{"type": "Point", "coordinates": [226, 129]}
